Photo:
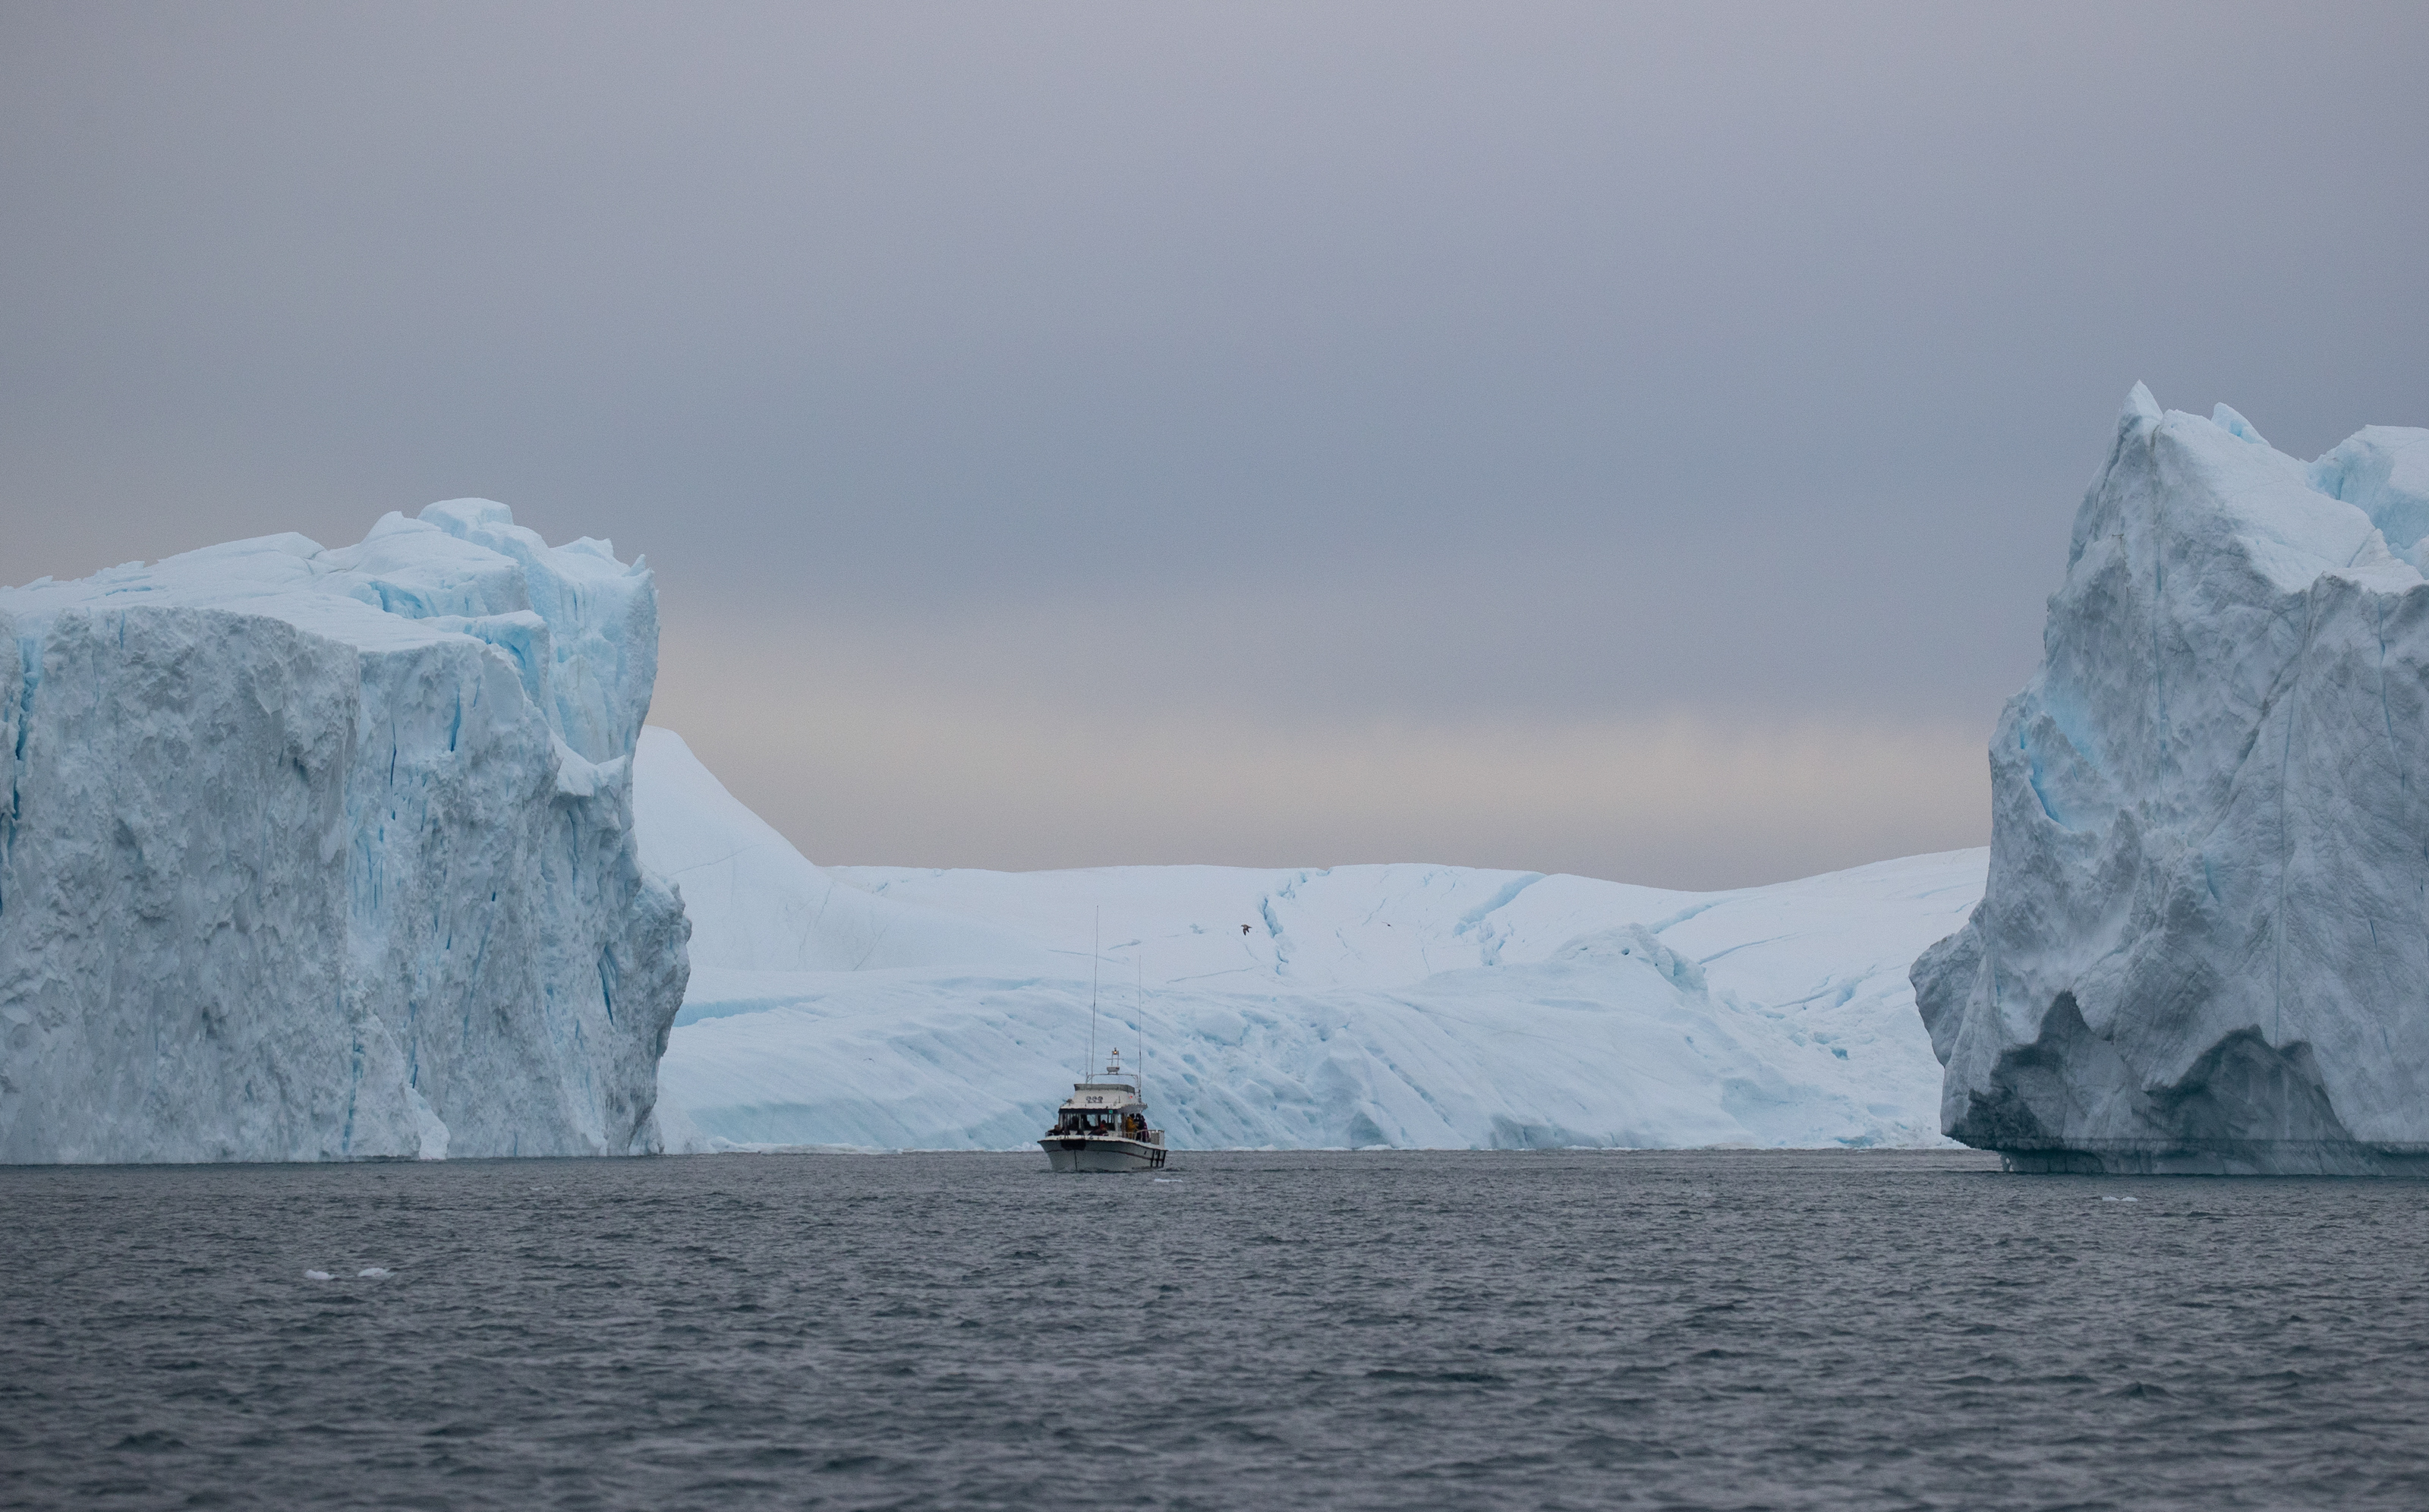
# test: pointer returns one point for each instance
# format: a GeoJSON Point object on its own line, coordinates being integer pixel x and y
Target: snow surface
{"type": "Point", "coordinates": [2206, 925]}
{"type": "Point", "coordinates": [313, 854]}
{"type": "Point", "coordinates": [1405, 1005]}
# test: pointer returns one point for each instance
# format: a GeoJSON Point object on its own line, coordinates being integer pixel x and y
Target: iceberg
{"type": "Point", "coordinates": [1414, 1005]}
{"type": "Point", "coordinates": [2205, 926]}
{"type": "Point", "coordinates": [327, 854]}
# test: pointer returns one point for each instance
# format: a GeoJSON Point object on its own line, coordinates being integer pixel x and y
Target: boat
{"type": "Point", "coordinates": [1102, 1126]}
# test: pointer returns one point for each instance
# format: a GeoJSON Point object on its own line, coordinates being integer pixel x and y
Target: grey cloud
{"type": "Point", "coordinates": [1415, 362]}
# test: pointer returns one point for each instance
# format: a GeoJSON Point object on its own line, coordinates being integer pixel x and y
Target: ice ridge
{"type": "Point", "coordinates": [1403, 1005]}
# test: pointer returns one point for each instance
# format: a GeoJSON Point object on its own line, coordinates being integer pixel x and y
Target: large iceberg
{"type": "Point", "coordinates": [326, 854]}
{"type": "Point", "coordinates": [2204, 940]}
{"type": "Point", "coordinates": [1410, 1005]}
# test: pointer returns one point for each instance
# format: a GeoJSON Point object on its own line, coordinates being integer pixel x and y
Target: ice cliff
{"type": "Point", "coordinates": [1410, 1005]}
{"type": "Point", "coordinates": [2203, 946]}
{"type": "Point", "coordinates": [325, 854]}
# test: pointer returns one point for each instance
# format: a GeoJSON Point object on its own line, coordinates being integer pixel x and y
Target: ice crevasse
{"type": "Point", "coordinates": [2203, 943]}
{"type": "Point", "coordinates": [318, 854]}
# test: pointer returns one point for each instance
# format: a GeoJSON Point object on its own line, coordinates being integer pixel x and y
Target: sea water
{"type": "Point", "coordinates": [1343, 1330]}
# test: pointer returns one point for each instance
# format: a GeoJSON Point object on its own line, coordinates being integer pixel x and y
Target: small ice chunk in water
{"type": "Point", "coordinates": [2120, 1199]}
{"type": "Point", "coordinates": [374, 1273]}
{"type": "Point", "coordinates": [316, 1276]}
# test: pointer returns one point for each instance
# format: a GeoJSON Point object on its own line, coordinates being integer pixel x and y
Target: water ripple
{"type": "Point", "coordinates": [1374, 1330]}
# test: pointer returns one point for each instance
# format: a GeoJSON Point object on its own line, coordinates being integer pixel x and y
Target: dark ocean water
{"type": "Point", "coordinates": [1371, 1330]}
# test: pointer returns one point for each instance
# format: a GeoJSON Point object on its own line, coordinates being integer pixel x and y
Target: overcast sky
{"type": "Point", "coordinates": [1632, 441]}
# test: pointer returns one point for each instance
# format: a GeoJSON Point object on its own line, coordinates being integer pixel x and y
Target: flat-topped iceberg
{"type": "Point", "coordinates": [1410, 1005]}
{"type": "Point", "coordinates": [325, 854]}
{"type": "Point", "coordinates": [2205, 933]}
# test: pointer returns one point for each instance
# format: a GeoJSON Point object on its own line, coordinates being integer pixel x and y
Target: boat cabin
{"type": "Point", "coordinates": [1105, 1109]}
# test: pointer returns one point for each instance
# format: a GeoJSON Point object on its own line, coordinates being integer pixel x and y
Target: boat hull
{"type": "Point", "coordinates": [1084, 1153]}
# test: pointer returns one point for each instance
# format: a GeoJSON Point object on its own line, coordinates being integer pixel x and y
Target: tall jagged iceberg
{"type": "Point", "coordinates": [2203, 946]}
{"type": "Point", "coordinates": [327, 854]}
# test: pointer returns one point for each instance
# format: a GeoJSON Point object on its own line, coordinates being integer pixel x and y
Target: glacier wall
{"type": "Point", "coordinates": [1407, 1005]}
{"type": "Point", "coordinates": [327, 854]}
{"type": "Point", "coordinates": [2203, 943]}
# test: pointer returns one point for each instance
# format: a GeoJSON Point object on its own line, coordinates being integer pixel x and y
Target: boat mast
{"type": "Point", "coordinates": [1096, 952]}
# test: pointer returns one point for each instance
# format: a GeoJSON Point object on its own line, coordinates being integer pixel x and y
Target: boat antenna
{"type": "Point", "coordinates": [1096, 952]}
{"type": "Point", "coordinates": [1138, 1006]}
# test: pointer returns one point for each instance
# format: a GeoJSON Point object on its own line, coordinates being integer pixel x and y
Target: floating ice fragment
{"type": "Point", "coordinates": [374, 1273]}
{"type": "Point", "coordinates": [316, 1276]}
{"type": "Point", "coordinates": [2120, 1199]}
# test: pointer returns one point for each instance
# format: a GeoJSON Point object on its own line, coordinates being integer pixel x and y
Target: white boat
{"type": "Point", "coordinates": [1102, 1126]}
